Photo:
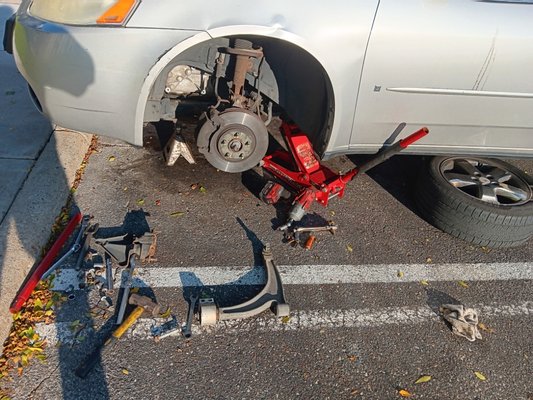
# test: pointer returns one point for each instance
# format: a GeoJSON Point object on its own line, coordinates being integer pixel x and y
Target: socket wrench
{"type": "Point", "coordinates": [187, 329]}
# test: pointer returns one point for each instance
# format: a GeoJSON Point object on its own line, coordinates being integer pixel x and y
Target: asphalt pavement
{"type": "Point", "coordinates": [364, 303]}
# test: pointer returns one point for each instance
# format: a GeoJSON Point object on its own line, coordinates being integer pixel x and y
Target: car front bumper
{"type": "Point", "coordinates": [8, 34]}
{"type": "Point", "coordinates": [89, 78]}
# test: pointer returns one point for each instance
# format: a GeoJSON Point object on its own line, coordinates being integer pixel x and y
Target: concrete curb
{"type": "Point", "coordinates": [28, 223]}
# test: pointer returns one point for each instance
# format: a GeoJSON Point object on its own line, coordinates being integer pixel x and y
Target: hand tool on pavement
{"type": "Point", "coordinates": [108, 274]}
{"type": "Point", "coordinates": [270, 295]}
{"type": "Point", "coordinates": [330, 227]}
{"type": "Point", "coordinates": [142, 304]}
{"type": "Point", "coordinates": [310, 242]}
{"type": "Point", "coordinates": [85, 243]}
{"type": "Point", "coordinates": [25, 291]}
{"type": "Point", "coordinates": [74, 249]}
{"type": "Point", "coordinates": [187, 329]}
{"type": "Point", "coordinates": [169, 328]}
{"type": "Point", "coordinates": [307, 179]}
{"type": "Point", "coordinates": [128, 274]}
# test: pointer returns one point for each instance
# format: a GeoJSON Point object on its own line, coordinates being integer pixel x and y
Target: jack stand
{"type": "Point", "coordinates": [300, 172]}
{"type": "Point", "coordinates": [271, 294]}
{"type": "Point", "coordinates": [176, 147]}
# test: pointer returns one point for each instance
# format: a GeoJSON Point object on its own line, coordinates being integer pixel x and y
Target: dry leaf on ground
{"type": "Point", "coordinates": [480, 376]}
{"type": "Point", "coordinates": [423, 379]}
{"type": "Point", "coordinates": [404, 393]}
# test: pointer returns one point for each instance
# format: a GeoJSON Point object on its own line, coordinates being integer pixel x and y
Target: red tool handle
{"type": "Point", "coordinates": [409, 140]}
{"type": "Point", "coordinates": [35, 277]}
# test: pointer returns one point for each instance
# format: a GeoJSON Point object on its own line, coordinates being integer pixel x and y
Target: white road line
{"type": "Point", "coordinates": [302, 320]}
{"type": "Point", "coordinates": [161, 277]}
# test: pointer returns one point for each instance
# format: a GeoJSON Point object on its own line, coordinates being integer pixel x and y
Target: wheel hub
{"type": "Point", "coordinates": [236, 145]}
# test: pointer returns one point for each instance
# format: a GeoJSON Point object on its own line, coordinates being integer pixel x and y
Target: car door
{"type": "Point", "coordinates": [461, 67]}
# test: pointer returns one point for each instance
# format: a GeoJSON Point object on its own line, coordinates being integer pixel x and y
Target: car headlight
{"type": "Point", "coordinates": [83, 12]}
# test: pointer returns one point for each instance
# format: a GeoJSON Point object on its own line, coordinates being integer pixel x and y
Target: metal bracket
{"type": "Point", "coordinates": [121, 248]}
{"type": "Point", "coordinates": [271, 294]}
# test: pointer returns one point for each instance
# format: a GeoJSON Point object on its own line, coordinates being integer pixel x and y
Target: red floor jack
{"type": "Point", "coordinates": [300, 172]}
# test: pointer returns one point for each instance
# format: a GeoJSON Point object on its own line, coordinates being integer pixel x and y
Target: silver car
{"type": "Point", "coordinates": [347, 72]}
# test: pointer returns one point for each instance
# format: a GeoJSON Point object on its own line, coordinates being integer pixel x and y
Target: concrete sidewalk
{"type": "Point", "coordinates": [37, 169]}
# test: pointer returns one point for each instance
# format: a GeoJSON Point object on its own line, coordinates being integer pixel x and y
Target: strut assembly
{"type": "Point", "coordinates": [300, 172]}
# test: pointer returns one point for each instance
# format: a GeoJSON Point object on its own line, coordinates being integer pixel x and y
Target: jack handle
{"type": "Point", "coordinates": [413, 137]}
{"type": "Point", "coordinates": [389, 152]}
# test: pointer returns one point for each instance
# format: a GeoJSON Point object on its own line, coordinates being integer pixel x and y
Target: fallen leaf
{"type": "Point", "coordinates": [463, 284]}
{"type": "Point", "coordinates": [74, 325]}
{"type": "Point", "coordinates": [480, 376]}
{"type": "Point", "coordinates": [125, 371]}
{"type": "Point", "coordinates": [423, 379]}
{"type": "Point", "coordinates": [37, 349]}
{"type": "Point", "coordinates": [332, 213]}
{"type": "Point", "coordinates": [404, 393]}
{"type": "Point", "coordinates": [203, 189]}
{"type": "Point", "coordinates": [37, 304]}
{"type": "Point", "coordinates": [166, 314]}
{"type": "Point", "coordinates": [194, 186]}
{"type": "Point", "coordinates": [140, 202]}
{"type": "Point", "coordinates": [349, 248]}
{"type": "Point", "coordinates": [285, 319]}
{"type": "Point", "coordinates": [134, 290]}
{"type": "Point", "coordinates": [424, 282]}
{"type": "Point", "coordinates": [177, 214]}
{"type": "Point", "coordinates": [352, 358]}
{"type": "Point", "coordinates": [429, 260]}
{"type": "Point", "coordinates": [484, 327]}
{"type": "Point", "coordinates": [111, 158]}
{"type": "Point", "coordinates": [400, 274]}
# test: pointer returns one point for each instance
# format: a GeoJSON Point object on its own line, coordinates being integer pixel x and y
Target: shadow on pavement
{"type": "Point", "coordinates": [29, 202]}
{"type": "Point", "coordinates": [398, 176]}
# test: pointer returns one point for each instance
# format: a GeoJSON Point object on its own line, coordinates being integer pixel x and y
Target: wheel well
{"type": "Point", "coordinates": [290, 76]}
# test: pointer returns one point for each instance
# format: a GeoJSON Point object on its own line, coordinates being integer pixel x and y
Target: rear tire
{"type": "Point", "coordinates": [484, 201]}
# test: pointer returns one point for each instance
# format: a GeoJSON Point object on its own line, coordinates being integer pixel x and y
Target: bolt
{"type": "Point", "coordinates": [223, 142]}
{"type": "Point", "coordinates": [226, 155]}
{"type": "Point", "coordinates": [236, 134]}
{"type": "Point", "coordinates": [241, 155]}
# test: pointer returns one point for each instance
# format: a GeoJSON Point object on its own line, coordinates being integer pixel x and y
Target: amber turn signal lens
{"type": "Point", "coordinates": [117, 13]}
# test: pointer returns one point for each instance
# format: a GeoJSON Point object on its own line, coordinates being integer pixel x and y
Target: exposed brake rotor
{"type": "Point", "coordinates": [234, 140]}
